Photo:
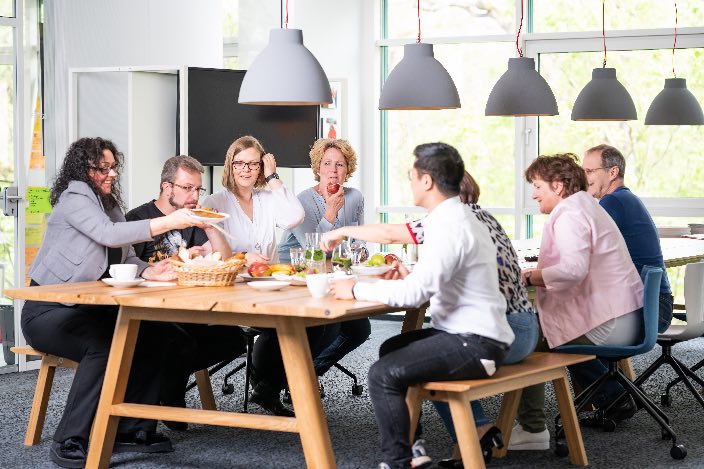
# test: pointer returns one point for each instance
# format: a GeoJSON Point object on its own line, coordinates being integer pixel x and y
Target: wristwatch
{"type": "Point", "coordinates": [527, 278]}
{"type": "Point", "coordinates": [271, 176]}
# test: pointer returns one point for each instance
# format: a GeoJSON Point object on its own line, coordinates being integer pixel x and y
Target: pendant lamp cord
{"type": "Point", "coordinates": [418, 40]}
{"type": "Point", "coordinates": [520, 26]}
{"type": "Point", "coordinates": [675, 44]}
{"type": "Point", "coordinates": [286, 22]}
{"type": "Point", "coordinates": [603, 27]}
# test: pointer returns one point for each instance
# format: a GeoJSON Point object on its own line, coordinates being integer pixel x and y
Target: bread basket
{"type": "Point", "coordinates": [193, 275]}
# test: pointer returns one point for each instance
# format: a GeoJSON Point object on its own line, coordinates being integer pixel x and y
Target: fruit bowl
{"type": "Point", "coordinates": [370, 270]}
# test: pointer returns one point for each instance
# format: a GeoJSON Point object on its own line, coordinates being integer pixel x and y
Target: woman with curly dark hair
{"type": "Point", "coordinates": [86, 233]}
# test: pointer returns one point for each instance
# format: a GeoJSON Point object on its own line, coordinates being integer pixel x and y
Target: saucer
{"type": "Point", "coordinates": [113, 282]}
{"type": "Point", "coordinates": [268, 286]}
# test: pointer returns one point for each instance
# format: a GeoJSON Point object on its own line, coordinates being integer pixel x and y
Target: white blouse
{"type": "Point", "coordinates": [272, 208]}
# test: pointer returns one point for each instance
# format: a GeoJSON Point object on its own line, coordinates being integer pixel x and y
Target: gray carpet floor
{"type": "Point", "coordinates": [635, 443]}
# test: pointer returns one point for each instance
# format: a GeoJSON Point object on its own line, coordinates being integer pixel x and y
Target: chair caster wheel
{"type": "Point", "coordinates": [357, 389]}
{"type": "Point", "coordinates": [665, 435]}
{"type": "Point", "coordinates": [228, 388]}
{"type": "Point", "coordinates": [666, 400]}
{"type": "Point", "coordinates": [608, 425]}
{"type": "Point", "coordinates": [561, 450]}
{"type": "Point", "coordinates": [678, 452]}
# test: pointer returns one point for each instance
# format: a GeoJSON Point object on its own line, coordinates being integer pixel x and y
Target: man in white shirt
{"type": "Point", "coordinates": [457, 273]}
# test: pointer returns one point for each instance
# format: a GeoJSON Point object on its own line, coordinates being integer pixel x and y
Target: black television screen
{"type": "Point", "coordinates": [216, 119]}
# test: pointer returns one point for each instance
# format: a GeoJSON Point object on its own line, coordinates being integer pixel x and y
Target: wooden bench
{"type": "Point", "coordinates": [539, 367]}
{"type": "Point", "coordinates": [45, 380]}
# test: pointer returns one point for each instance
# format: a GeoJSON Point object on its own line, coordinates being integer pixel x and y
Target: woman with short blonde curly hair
{"type": "Point", "coordinates": [329, 205]}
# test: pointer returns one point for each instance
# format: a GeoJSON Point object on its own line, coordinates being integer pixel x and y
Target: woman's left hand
{"type": "Point", "coordinates": [342, 289]}
{"type": "Point", "coordinates": [161, 271]}
{"type": "Point", "coordinates": [269, 164]}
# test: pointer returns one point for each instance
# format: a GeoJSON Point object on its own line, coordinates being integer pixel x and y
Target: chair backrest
{"type": "Point", "coordinates": [694, 293]}
{"type": "Point", "coordinates": [651, 307]}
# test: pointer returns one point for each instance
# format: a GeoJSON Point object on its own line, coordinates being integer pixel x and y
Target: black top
{"type": "Point", "coordinates": [166, 244]}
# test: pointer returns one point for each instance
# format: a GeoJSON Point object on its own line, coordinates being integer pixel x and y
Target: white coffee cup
{"type": "Point", "coordinates": [318, 284]}
{"type": "Point", "coordinates": [123, 271]}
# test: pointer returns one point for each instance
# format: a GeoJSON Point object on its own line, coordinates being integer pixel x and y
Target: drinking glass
{"type": "Point", "coordinates": [342, 257]}
{"type": "Point", "coordinates": [298, 259]}
{"type": "Point", "coordinates": [314, 254]}
{"type": "Point", "coordinates": [356, 250]}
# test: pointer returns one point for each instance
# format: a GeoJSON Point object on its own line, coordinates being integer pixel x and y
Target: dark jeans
{"type": "Point", "coordinates": [338, 340]}
{"type": "Point", "coordinates": [268, 373]}
{"type": "Point", "coordinates": [665, 317]}
{"type": "Point", "coordinates": [195, 347]}
{"type": "Point", "coordinates": [415, 357]}
{"type": "Point", "coordinates": [83, 333]}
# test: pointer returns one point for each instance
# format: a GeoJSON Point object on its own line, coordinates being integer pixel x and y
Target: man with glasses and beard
{"type": "Point", "coordinates": [194, 346]}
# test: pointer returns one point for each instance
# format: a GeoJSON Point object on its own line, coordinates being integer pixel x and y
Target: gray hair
{"type": "Point", "coordinates": [610, 157]}
{"type": "Point", "coordinates": [185, 162]}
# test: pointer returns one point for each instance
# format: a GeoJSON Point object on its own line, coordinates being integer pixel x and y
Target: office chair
{"type": "Point", "coordinates": [612, 354]}
{"type": "Point", "coordinates": [694, 304]}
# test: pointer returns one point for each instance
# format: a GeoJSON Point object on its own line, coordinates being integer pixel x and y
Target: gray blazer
{"type": "Point", "coordinates": [78, 234]}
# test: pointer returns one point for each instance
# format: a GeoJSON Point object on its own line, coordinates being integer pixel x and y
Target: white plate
{"type": "Point", "coordinates": [122, 283]}
{"type": "Point", "coordinates": [370, 270]}
{"type": "Point", "coordinates": [293, 279]}
{"type": "Point", "coordinates": [221, 217]}
{"type": "Point", "coordinates": [249, 278]}
{"type": "Point", "coordinates": [154, 283]}
{"type": "Point", "coordinates": [268, 286]}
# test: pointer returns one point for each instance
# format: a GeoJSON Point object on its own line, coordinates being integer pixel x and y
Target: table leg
{"type": "Point", "coordinates": [114, 386]}
{"type": "Point", "coordinates": [570, 423]}
{"type": "Point", "coordinates": [414, 404]}
{"type": "Point", "coordinates": [205, 390]}
{"type": "Point", "coordinates": [305, 396]}
{"type": "Point", "coordinates": [467, 437]}
{"type": "Point", "coordinates": [507, 415]}
{"type": "Point", "coordinates": [413, 319]}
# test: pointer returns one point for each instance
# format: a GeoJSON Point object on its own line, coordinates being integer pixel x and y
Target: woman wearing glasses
{"type": "Point", "coordinates": [255, 213]}
{"type": "Point", "coordinates": [85, 234]}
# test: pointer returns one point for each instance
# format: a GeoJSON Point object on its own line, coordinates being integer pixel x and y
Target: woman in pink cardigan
{"type": "Point", "coordinates": [587, 289]}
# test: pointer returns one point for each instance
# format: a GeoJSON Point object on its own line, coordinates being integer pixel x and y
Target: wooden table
{"type": "Point", "coordinates": [290, 311]}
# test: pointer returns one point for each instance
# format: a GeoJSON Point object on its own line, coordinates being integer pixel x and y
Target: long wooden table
{"type": "Point", "coordinates": [290, 311]}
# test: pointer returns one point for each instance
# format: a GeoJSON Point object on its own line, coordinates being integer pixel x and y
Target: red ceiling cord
{"type": "Point", "coordinates": [675, 44]}
{"type": "Point", "coordinates": [418, 41]}
{"type": "Point", "coordinates": [286, 22]}
{"type": "Point", "coordinates": [603, 27]}
{"type": "Point", "coordinates": [520, 26]}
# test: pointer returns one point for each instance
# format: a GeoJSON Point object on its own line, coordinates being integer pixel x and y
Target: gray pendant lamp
{"type": "Point", "coordinates": [285, 73]}
{"type": "Point", "coordinates": [675, 104]}
{"type": "Point", "coordinates": [521, 91]}
{"type": "Point", "coordinates": [604, 98]}
{"type": "Point", "coordinates": [419, 81]}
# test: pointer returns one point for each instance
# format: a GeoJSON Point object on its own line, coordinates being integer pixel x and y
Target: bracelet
{"type": "Point", "coordinates": [353, 295]}
{"type": "Point", "coordinates": [527, 277]}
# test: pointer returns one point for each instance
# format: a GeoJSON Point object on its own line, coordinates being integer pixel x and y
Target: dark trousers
{"type": "Point", "coordinates": [195, 347]}
{"type": "Point", "coordinates": [83, 333]}
{"type": "Point", "coordinates": [415, 357]}
{"type": "Point", "coordinates": [268, 371]}
{"type": "Point", "coordinates": [338, 340]}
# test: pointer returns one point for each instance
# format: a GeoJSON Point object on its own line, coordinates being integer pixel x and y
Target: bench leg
{"type": "Point", "coordinates": [205, 389]}
{"type": "Point", "coordinates": [627, 366]}
{"type": "Point", "coordinates": [570, 423]}
{"type": "Point", "coordinates": [413, 319]}
{"type": "Point", "coordinates": [414, 404]}
{"type": "Point", "coordinates": [467, 437]}
{"type": "Point", "coordinates": [507, 415]}
{"type": "Point", "coordinates": [42, 391]}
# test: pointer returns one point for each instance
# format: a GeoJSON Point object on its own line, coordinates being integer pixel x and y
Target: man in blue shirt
{"type": "Point", "coordinates": [605, 167]}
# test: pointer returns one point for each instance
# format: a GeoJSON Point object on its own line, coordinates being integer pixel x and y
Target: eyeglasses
{"type": "Point", "coordinates": [592, 170]}
{"type": "Point", "coordinates": [190, 189]}
{"type": "Point", "coordinates": [106, 170]}
{"type": "Point", "coordinates": [251, 165]}
{"type": "Point", "coordinates": [338, 165]}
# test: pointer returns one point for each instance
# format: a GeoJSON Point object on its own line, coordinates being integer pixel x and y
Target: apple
{"type": "Point", "coordinates": [390, 258]}
{"type": "Point", "coordinates": [333, 188]}
{"type": "Point", "coordinates": [259, 269]}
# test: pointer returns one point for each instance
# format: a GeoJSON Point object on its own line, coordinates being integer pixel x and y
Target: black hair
{"type": "Point", "coordinates": [83, 155]}
{"type": "Point", "coordinates": [443, 163]}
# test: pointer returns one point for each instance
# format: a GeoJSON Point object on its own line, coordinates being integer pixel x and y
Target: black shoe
{"type": "Point", "coordinates": [271, 404]}
{"type": "Point", "coordinates": [451, 464]}
{"type": "Point", "coordinates": [171, 425]}
{"type": "Point", "coordinates": [626, 409]}
{"type": "Point", "coordinates": [69, 453]}
{"type": "Point", "coordinates": [286, 399]}
{"type": "Point", "coordinates": [142, 442]}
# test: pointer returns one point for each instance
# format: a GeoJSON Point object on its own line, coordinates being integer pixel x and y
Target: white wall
{"type": "Point", "coordinates": [107, 33]}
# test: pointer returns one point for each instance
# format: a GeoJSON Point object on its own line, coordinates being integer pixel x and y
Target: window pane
{"type": "Point", "coordinates": [486, 144]}
{"type": "Point", "coordinates": [7, 8]}
{"type": "Point", "coordinates": [661, 161]}
{"type": "Point", "coordinates": [585, 15]}
{"type": "Point", "coordinates": [450, 18]}
{"type": "Point", "coordinates": [230, 18]}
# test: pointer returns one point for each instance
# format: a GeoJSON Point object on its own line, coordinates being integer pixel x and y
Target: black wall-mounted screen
{"type": "Point", "coordinates": [216, 119]}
